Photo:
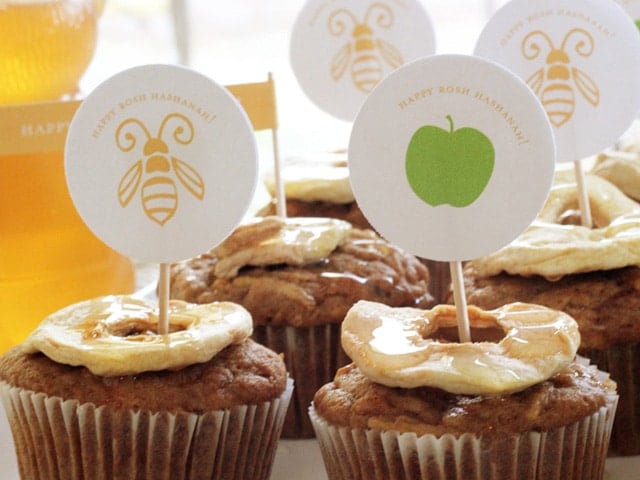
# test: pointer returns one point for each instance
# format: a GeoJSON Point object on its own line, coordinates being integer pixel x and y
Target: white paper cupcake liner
{"type": "Point", "coordinates": [312, 356]}
{"type": "Point", "coordinates": [574, 452]}
{"type": "Point", "coordinates": [622, 362]}
{"type": "Point", "coordinates": [66, 440]}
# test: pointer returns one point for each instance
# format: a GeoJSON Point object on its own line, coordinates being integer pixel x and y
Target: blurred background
{"type": "Point", "coordinates": [241, 42]}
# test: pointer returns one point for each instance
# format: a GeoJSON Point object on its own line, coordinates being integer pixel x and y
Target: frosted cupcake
{"type": "Point", "coordinates": [96, 393]}
{"type": "Point", "coordinates": [590, 273]}
{"type": "Point", "coordinates": [415, 404]}
{"type": "Point", "coordinates": [316, 186]}
{"type": "Point", "coordinates": [298, 277]}
{"type": "Point", "coordinates": [319, 186]}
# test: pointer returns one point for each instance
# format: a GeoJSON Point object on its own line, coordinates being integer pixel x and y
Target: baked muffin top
{"type": "Point", "coordinates": [352, 400]}
{"type": "Point", "coordinates": [361, 266]}
{"type": "Point", "coordinates": [605, 304]}
{"type": "Point", "coordinates": [244, 373]}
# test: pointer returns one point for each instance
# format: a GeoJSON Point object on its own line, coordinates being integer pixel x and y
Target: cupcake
{"type": "Point", "coordinates": [316, 186]}
{"type": "Point", "coordinates": [590, 273]}
{"type": "Point", "coordinates": [95, 393]}
{"type": "Point", "coordinates": [298, 277]}
{"type": "Point", "coordinates": [319, 186]}
{"type": "Point", "coordinates": [515, 403]}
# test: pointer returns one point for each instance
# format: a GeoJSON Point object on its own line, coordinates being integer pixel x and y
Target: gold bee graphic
{"type": "Point", "coordinates": [364, 53]}
{"type": "Point", "coordinates": [156, 174]}
{"type": "Point", "coordinates": [554, 83]}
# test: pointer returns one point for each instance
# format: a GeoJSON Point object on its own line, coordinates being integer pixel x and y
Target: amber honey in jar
{"type": "Point", "coordinates": [46, 47]}
{"type": "Point", "coordinates": [48, 257]}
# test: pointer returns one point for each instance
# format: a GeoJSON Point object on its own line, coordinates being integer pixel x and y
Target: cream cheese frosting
{"type": "Point", "coordinates": [275, 240]}
{"type": "Point", "coordinates": [552, 249]}
{"type": "Point", "coordinates": [322, 177]}
{"type": "Point", "coordinates": [402, 347]}
{"type": "Point", "coordinates": [117, 335]}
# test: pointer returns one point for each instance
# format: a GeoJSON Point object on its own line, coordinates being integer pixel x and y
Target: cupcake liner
{"type": "Point", "coordinates": [312, 356]}
{"type": "Point", "coordinates": [68, 440]}
{"type": "Point", "coordinates": [576, 451]}
{"type": "Point", "coordinates": [622, 362]}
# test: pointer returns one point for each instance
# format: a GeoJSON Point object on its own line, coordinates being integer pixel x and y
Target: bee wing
{"type": "Point", "coordinates": [536, 81]}
{"type": "Point", "coordinates": [586, 86]}
{"type": "Point", "coordinates": [340, 62]}
{"type": "Point", "coordinates": [189, 177]}
{"type": "Point", "coordinates": [390, 53]}
{"type": "Point", "coordinates": [129, 183]}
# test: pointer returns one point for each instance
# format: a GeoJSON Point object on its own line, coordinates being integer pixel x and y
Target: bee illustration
{"type": "Point", "coordinates": [155, 175]}
{"type": "Point", "coordinates": [364, 53]}
{"type": "Point", "coordinates": [554, 83]}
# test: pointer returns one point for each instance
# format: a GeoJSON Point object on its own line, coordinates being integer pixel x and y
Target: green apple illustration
{"type": "Point", "coordinates": [449, 167]}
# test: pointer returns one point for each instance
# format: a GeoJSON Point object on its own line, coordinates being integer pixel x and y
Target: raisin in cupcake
{"type": "Point", "coordinates": [590, 273]}
{"type": "Point", "coordinates": [298, 277]}
{"type": "Point", "coordinates": [96, 393]}
{"type": "Point", "coordinates": [415, 404]}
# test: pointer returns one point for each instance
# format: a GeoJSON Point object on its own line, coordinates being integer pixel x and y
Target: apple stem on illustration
{"type": "Point", "coordinates": [449, 167]}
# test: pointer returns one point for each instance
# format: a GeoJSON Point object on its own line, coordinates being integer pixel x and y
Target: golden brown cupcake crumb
{"type": "Point", "coordinates": [364, 267]}
{"type": "Point", "coordinates": [247, 373]}
{"type": "Point", "coordinates": [569, 396]}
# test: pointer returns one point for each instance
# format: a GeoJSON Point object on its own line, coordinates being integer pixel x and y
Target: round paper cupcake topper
{"type": "Point", "coordinates": [161, 162]}
{"type": "Point", "coordinates": [341, 50]}
{"type": "Point", "coordinates": [451, 157]}
{"type": "Point", "coordinates": [581, 58]}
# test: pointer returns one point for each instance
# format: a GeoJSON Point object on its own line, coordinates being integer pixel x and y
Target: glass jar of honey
{"type": "Point", "coordinates": [48, 257]}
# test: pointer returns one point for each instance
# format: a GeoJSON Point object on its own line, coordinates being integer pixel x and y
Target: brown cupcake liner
{"type": "Point", "coordinates": [68, 440]}
{"type": "Point", "coordinates": [312, 356]}
{"type": "Point", "coordinates": [574, 452]}
{"type": "Point", "coordinates": [622, 362]}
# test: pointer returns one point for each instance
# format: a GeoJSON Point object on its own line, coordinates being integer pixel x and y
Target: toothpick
{"type": "Point", "coordinates": [583, 196]}
{"type": "Point", "coordinates": [163, 299]}
{"type": "Point", "coordinates": [281, 201]}
{"type": "Point", "coordinates": [460, 300]}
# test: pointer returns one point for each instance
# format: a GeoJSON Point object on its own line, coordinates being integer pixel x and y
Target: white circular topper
{"type": "Point", "coordinates": [581, 58]}
{"type": "Point", "coordinates": [161, 162]}
{"type": "Point", "coordinates": [451, 157]}
{"type": "Point", "coordinates": [341, 50]}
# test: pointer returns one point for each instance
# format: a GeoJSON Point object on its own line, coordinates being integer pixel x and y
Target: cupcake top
{"type": "Point", "coordinates": [246, 373]}
{"type": "Point", "coordinates": [556, 244]}
{"type": "Point", "coordinates": [117, 335]}
{"type": "Point", "coordinates": [353, 400]}
{"type": "Point", "coordinates": [107, 351]}
{"type": "Point", "coordinates": [515, 346]}
{"type": "Point", "coordinates": [409, 374]}
{"type": "Point", "coordinates": [302, 271]}
{"type": "Point", "coordinates": [321, 177]}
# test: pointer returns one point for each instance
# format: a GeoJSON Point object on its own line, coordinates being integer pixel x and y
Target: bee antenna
{"type": "Point", "coordinates": [384, 15]}
{"type": "Point", "coordinates": [530, 48]}
{"type": "Point", "coordinates": [129, 136]}
{"type": "Point", "coordinates": [337, 21]}
{"type": "Point", "coordinates": [180, 128]}
{"type": "Point", "coordinates": [582, 48]}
